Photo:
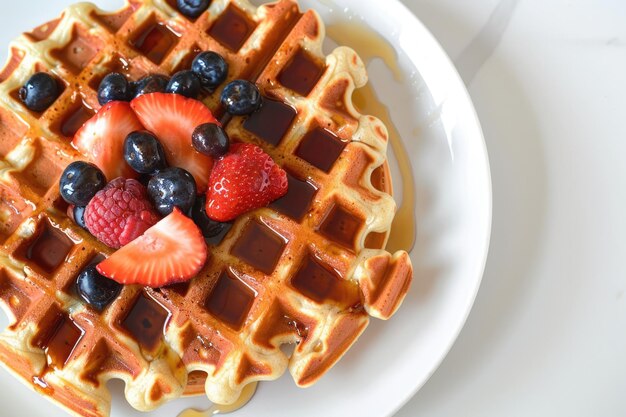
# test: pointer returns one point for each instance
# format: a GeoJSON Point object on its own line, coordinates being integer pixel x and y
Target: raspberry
{"type": "Point", "coordinates": [120, 212]}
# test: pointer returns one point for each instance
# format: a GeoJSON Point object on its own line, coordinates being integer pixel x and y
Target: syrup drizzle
{"type": "Point", "coordinates": [246, 394]}
{"type": "Point", "coordinates": [369, 45]}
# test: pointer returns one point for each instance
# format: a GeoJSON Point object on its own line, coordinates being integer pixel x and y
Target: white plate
{"type": "Point", "coordinates": [440, 131]}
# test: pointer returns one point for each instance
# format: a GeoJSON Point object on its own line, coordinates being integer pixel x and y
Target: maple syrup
{"type": "Point", "coordinates": [76, 119]}
{"type": "Point", "coordinates": [297, 201]}
{"type": "Point", "coordinates": [230, 300]}
{"type": "Point", "coordinates": [341, 226]}
{"type": "Point", "coordinates": [60, 344]}
{"type": "Point", "coordinates": [155, 40]}
{"type": "Point", "coordinates": [321, 148]}
{"type": "Point", "coordinates": [145, 322]}
{"type": "Point", "coordinates": [246, 395]}
{"type": "Point", "coordinates": [260, 247]}
{"type": "Point", "coordinates": [49, 249]}
{"type": "Point", "coordinates": [232, 28]}
{"type": "Point", "coordinates": [271, 121]}
{"type": "Point", "coordinates": [301, 73]}
{"type": "Point", "coordinates": [369, 45]}
{"type": "Point", "coordinates": [320, 283]}
{"type": "Point", "coordinates": [402, 235]}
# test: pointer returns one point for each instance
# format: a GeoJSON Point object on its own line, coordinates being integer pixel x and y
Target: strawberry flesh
{"type": "Point", "coordinates": [244, 179]}
{"type": "Point", "coordinates": [173, 118]}
{"type": "Point", "coordinates": [173, 250]}
{"type": "Point", "coordinates": [101, 139]}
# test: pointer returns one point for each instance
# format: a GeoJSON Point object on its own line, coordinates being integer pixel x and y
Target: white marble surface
{"type": "Point", "coordinates": [547, 334]}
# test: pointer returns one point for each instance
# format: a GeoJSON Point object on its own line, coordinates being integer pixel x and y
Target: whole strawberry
{"type": "Point", "coordinates": [244, 179]}
{"type": "Point", "coordinates": [120, 212]}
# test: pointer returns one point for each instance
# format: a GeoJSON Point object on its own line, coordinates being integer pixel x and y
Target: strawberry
{"type": "Point", "coordinates": [173, 250]}
{"type": "Point", "coordinates": [173, 118]}
{"type": "Point", "coordinates": [101, 139]}
{"type": "Point", "coordinates": [244, 179]}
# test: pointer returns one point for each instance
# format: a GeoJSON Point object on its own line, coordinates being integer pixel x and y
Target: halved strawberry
{"type": "Point", "coordinates": [173, 118]}
{"type": "Point", "coordinates": [244, 179]}
{"type": "Point", "coordinates": [173, 250]}
{"type": "Point", "coordinates": [101, 138]}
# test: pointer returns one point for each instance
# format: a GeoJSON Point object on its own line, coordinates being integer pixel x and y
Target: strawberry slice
{"type": "Point", "coordinates": [173, 250]}
{"type": "Point", "coordinates": [244, 179]}
{"type": "Point", "coordinates": [173, 118]}
{"type": "Point", "coordinates": [101, 139]}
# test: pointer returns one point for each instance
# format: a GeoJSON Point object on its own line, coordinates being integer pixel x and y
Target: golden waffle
{"type": "Point", "coordinates": [307, 270]}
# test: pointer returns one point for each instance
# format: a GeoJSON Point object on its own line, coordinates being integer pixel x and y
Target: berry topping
{"type": "Point", "coordinates": [80, 181]}
{"type": "Point", "coordinates": [184, 83]}
{"type": "Point", "coordinates": [240, 97]}
{"type": "Point", "coordinates": [155, 83]}
{"type": "Point", "coordinates": [173, 118]}
{"type": "Point", "coordinates": [101, 139]}
{"type": "Point", "coordinates": [173, 250]}
{"type": "Point", "coordinates": [210, 68]}
{"type": "Point", "coordinates": [192, 8]}
{"type": "Point", "coordinates": [39, 92]}
{"type": "Point", "coordinates": [208, 226]}
{"type": "Point", "coordinates": [98, 291]}
{"type": "Point", "coordinates": [245, 179]}
{"type": "Point", "coordinates": [143, 152]}
{"type": "Point", "coordinates": [114, 87]}
{"type": "Point", "coordinates": [172, 187]}
{"type": "Point", "coordinates": [210, 139]}
{"type": "Point", "coordinates": [77, 215]}
{"type": "Point", "coordinates": [120, 212]}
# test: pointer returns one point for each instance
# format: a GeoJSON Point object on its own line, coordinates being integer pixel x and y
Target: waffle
{"type": "Point", "coordinates": [308, 270]}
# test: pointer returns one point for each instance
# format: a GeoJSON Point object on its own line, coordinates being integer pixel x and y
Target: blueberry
{"type": "Point", "coordinates": [210, 139]}
{"type": "Point", "coordinates": [211, 68]}
{"type": "Point", "coordinates": [97, 290]}
{"type": "Point", "coordinates": [241, 97]}
{"type": "Point", "coordinates": [80, 182]}
{"type": "Point", "coordinates": [114, 87]}
{"type": "Point", "coordinates": [172, 187]}
{"type": "Point", "coordinates": [143, 152]}
{"type": "Point", "coordinates": [192, 8]}
{"type": "Point", "coordinates": [208, 226]}
{"type": "Point", "coordinates": [144, 179]}
{"type": "Point", "coordinates": [79, 216]}
{"type": "Point", "coordinates": [39, 92]}
{"type": "Point", "coordinates": [184, 83]}
{"type": "Point", "coordinates": [154, 83]}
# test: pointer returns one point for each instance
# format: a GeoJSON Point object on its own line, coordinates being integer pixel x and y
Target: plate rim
{"type": "Point", "coordinates": [466, 98]}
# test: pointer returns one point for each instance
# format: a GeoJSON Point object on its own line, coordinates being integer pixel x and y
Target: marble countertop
{"type": "Point", "coordinates": [547, 334]}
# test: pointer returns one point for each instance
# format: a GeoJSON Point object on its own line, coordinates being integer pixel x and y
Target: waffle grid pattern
{"type": "Point", "coordinates": [307, 270]}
